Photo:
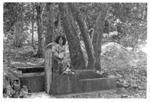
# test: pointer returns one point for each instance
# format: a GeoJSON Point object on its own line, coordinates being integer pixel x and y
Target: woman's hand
{"type": "Point", "coordinates": [57, 58]}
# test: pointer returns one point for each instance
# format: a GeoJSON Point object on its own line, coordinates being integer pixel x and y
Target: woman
{"type": "Point", "coordinates": [54, 60]}
{"type": "Point", "coordinates": [59, 54]}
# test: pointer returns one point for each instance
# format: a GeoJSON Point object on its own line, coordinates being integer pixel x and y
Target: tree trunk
{"type": "Point", "coordinates": [48, 52]}
{"type": "Point", "coordinates": [17, 32]}
{"type": "Point", "coordinates": [76, 54]}
{"type": "Point", "coordinates": [98, 31]}
{"type": "Point", "coordinates": [33, 25]}
{"type": "Point", "coordinates": [84, 33]}
{"type": "Point", "coordinates": [39, 29]}
{"type": "Point", "coordinates": [50, 27]}
{"type": "Point", "coordinates": [21, 20]}
{"type": "Point", "coordinates": [18, 28]}
{"type": "Point", "coordinates": [48, 70]}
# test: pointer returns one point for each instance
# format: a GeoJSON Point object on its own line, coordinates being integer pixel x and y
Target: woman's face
{"type": "Point", "coordinates": [61, 41]}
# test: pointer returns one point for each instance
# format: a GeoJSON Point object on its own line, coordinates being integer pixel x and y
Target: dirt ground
{"type": "Point", "coordinates": [113, 93]}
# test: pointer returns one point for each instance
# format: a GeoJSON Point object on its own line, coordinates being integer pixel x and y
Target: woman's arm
{"type": "Point", "coordinates": [55, 54]}
{"type": "Point", "coordinates": [57, 58]}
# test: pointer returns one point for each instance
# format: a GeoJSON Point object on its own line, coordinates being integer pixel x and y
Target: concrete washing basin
{"type": "Point", "coordinates": [80, 82]}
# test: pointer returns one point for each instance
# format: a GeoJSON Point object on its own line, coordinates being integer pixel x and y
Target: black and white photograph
{"type": "Point", "coordinates": [74, 50]}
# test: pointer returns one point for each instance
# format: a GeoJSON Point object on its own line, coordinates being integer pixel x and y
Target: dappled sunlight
{"type": "Point", "coordinates": [144, 49]}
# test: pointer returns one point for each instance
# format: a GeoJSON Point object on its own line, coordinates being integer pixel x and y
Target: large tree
{"type": "Point", "coordinates": [50, 26]}
{"type": "Point", "coordinates": [76, 54]}
{"type": "Point", "coordinates": [39, 29]}
{"type": "Point", "coordinates": [33, 21]}
{"type": "Point", "coordinates": [85, 34]}
{"type": "Point", "coordinates": [13, 21]}
{"type": "Point", "coordinates": [97, 37]}
{"type": "Point", "coordinates": [11, 14]}
{"type": "Point", "coordinates": [93, 48]}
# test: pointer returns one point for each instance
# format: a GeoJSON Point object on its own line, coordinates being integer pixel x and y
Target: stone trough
{"type": "Point", "coordinates": [80, 82]}
{"type": "Point", "coordinates": [32, 77]}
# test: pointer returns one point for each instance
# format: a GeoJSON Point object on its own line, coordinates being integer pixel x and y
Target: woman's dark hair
{"type": "Point", "coordinates": [63, 38]}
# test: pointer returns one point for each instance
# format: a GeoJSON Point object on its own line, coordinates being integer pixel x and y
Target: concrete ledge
{"type": "Point", "coordinates": [82, 81]}
{"type": "Point", "coordinates": [96, 84]}
{"type": "Point", "coordinates": [68, 84]}
{"type": "Point", "coordinates": [34, 81]}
